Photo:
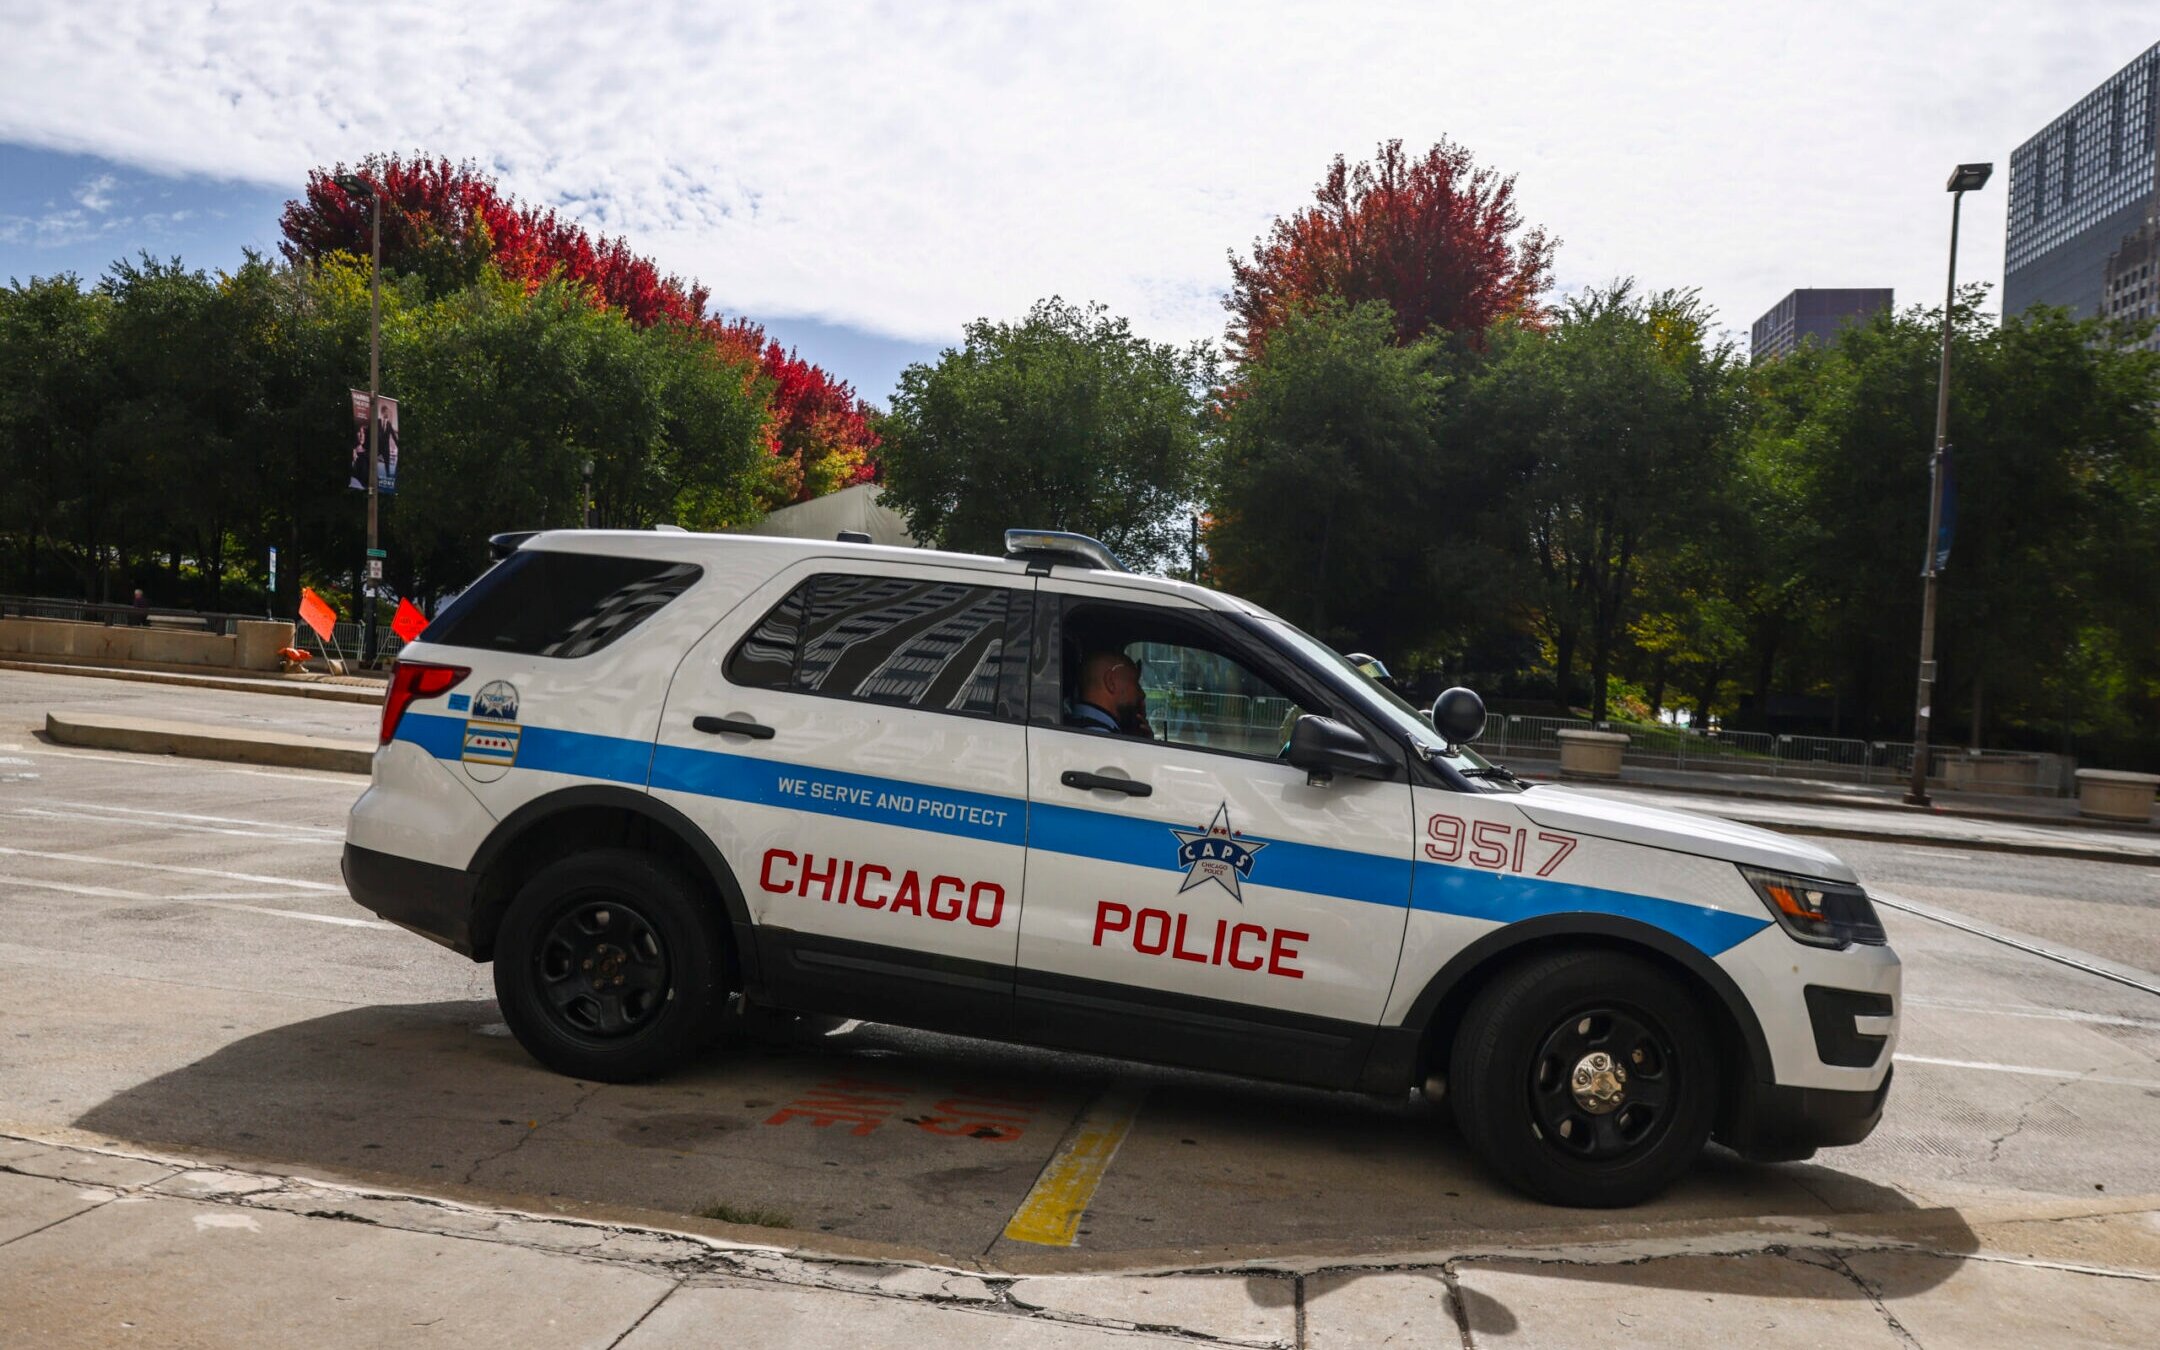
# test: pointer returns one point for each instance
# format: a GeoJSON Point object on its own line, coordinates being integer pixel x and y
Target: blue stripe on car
{"type": "Point", "coordinates": [1368, 877]}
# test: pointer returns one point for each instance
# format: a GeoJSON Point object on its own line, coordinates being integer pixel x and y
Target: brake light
{"type": "Point", "coordinates": [411, 681]}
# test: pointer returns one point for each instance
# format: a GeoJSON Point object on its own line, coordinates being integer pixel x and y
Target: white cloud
{"type": "Point", "coordinates": [906, 167]}
{"type": "Point", "coordinates": [96, 193]}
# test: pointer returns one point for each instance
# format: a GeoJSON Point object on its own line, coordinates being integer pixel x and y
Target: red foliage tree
{"type": "Point", "coordinates": [1436, 237]}
{"type": "Point", "coordinates": [444, 222]}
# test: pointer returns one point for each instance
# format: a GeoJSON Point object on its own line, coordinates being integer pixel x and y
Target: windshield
{"type": "Point", "coordinates": [1385, 703]}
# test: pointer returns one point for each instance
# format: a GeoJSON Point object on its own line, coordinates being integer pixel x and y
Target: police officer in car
{"type": "Point", "coordinates": [1109, 697]}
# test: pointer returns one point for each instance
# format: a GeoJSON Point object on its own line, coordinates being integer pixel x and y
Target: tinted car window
{"type": "Point", "coordinates": [559, 604]}
{"type": "Point", "coordinates": [922, 644]}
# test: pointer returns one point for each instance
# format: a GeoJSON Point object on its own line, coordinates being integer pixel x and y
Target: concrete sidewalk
{"type": "Point", "coordinates": [102, 1246]}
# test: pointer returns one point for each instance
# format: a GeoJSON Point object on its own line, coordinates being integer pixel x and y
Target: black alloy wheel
{"type": "Point", "coordinates": [1585, 1077]}
{"type": "Point", "coordinates": [609, 966]}
{"type": "Point", "coordinates": [601, 968]}
{"type": "Point", "coordinates": [1601, 1083]}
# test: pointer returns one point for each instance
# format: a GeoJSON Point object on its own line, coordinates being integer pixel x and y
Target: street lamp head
{"type": "Point", "coordinates": [1970, 177]}
{"type": "Point", "coordinates": [354, 185]}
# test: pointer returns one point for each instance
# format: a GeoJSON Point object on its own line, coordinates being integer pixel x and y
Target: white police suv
{"type": "Point", "coordinates": [648, 773]}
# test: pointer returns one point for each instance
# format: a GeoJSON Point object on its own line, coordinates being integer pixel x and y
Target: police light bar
{"type": "Point", "coordinates": [1058, 546]}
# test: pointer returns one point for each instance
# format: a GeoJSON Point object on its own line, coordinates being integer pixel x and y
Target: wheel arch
{"type": "Point", "coordinates": [595, 815]}
{"type": "Point", "coordinates": [1440, 1006]}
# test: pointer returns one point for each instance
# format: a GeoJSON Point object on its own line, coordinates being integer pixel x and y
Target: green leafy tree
{"type": "Point", "coordinates": [1328, 451]}
{"type": "Point", "coordinates": [1615, 426]}
{"type": "Point", "coordinates": [1063, 420]}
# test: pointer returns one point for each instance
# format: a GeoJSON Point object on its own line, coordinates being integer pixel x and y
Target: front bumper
{"type": "Point", "coordinates": [1769, 1122]}
{"type": "Point", "coordinates": [432, 900]}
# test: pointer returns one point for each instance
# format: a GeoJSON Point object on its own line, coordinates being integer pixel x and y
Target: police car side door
{"type": "Point", "coordinates": [851, 740]}
{"type": "Point", "coordinates": [1196, 899]}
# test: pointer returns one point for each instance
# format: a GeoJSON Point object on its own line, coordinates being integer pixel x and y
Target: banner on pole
{"type": "Point", "coordinates": [409, 622]}
{"type": "Point", "coordinates": [1946, 521]}
{"type": "Point", "coordinates": [386, 464]}
{"type": "Point", "coordinates": [316, 613]}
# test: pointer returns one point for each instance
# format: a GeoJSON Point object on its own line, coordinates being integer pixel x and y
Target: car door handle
{"type": "Point", "coordinates": [1073, 778]}
{"type": "Point", "coordinates": [733, 726]}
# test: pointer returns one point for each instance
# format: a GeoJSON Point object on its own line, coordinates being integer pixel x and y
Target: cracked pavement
{"type": "Point", "coordinates": [186, 992]}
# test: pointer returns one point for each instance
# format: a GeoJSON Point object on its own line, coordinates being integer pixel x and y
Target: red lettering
{"type": "Point", "coordinates": [1177, 947]}
{"type": "Point", "coordinates": [997, 903]}
{"type": "Point", "coordinates": [1103, 910]}
{"type": "Point", "coordinates": [765, 879]}
{"type": "Point", "coordinates": [811, 874]}
{"type": "Point", "coordinates": [862, 880]}
{"type": "Point", "coordinates": [909, 899]}
{"type": "Point", "coordinates": [1281, 951]}
{"type": "Point", "coordinates": [847, 875]}
{"type": "Point", "coordinates": [951, 908]}
{"type": "Point", "coordinates": [1139, 935]}
{"type": "Point", "coordinates": [1237, 941]}
{"type": "Point", "coordinates": [1221, 927]}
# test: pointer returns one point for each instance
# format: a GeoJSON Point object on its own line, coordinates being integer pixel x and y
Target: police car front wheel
{"type": "Point", "coordinates": [608, 966]}
{"type": "Point", "coordinates": [1585, 1078]}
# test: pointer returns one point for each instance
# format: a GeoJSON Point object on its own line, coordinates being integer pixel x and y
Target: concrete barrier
{"type": "Point", "coordinates": [190, 740]}
{"type": "Point", "coordinates": [2106, 794]}
{"type": "Point", "coordinates": [1590, 754]}
{"type": "Point", "coordinates": [254, 648]}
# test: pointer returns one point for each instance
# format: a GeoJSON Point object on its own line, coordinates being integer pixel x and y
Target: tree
{"type": "Point", "coordinates": [1616, 426]}
{"type": "Point", "coordinates": [1329, 456]}
{"type": "Point", "coordinates": [447, 224]}
{"type": "Point", "coordinates": [1436, 237]}
{"type": "Point", "coordinates": [1063, 420]}
{"type": "Point", "coordinates": [53, 390]}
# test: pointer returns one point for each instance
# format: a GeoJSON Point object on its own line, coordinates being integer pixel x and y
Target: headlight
{"type": "Point", "coordinates": [1819, 913]}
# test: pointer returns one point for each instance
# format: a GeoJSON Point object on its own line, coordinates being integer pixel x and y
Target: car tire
{"type": "Point", "coordinates": [1585, 1078]}
{"type": "Point", "coordinates": [608, 966]}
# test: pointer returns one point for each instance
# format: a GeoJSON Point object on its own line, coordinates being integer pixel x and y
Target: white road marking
{"type": "Point", "coordinates": [2032, 1071]}
{"type": "Point", "coordinates": [187, 815]}
{"type": "Point", "coordinates": [207, 901]}
{"type": "Point", "coordinates": [343, 780]}
{"type": "Point", "coordinates": [2048, 1014]}
{"type": "Point", "coordinates": [279, 836]}
{"type": "Point", "coordinates": [94, 860]}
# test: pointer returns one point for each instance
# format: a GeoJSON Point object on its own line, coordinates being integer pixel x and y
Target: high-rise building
{"type": "Point", "coordinates": [1813, 314]}
{"type": "Point", "coordinates": [2130, 283]}
{"type": "Point", "coordinates": [2079, 189]}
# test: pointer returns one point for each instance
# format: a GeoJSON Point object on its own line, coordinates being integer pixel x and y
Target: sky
{"type": "Point", "coordinates": [865, 179]}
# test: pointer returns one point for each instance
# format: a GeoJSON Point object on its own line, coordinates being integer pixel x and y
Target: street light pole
{"type": "Point", "coordinates": [374, 426]}
{"type": "Point", "coordinates": [1968, 178]}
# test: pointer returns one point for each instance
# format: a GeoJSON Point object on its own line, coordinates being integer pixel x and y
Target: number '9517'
{"type": "Point", "coordinates": [1493, 844]}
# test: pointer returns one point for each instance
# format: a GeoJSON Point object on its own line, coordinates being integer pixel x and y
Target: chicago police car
{"type": "Point", "coordinates": [645, 774]}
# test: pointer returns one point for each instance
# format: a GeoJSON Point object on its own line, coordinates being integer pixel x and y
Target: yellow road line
{"type": "Point", "coordinates": [1050, 1216]}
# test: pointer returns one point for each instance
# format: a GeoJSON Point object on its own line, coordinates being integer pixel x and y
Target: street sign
{"type": "Point", "coordinates": [377, 553]}
{"type": "Point", "coordinates": [374, 569]}
{"type": "Point", "coordinates": [273, 569]}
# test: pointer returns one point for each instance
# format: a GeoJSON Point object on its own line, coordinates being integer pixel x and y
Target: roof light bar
{"type": "Point", "coordinates": [1059, 546]}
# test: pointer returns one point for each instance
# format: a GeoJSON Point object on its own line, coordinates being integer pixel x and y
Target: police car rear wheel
{"type": "Point", "coordinates": [607, 966]}
{"type": "Point", "coordinates": [1585, 1078]}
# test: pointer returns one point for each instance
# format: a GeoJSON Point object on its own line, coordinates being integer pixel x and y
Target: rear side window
{"type": "Point", "coordinates": [934, 645]}
{"type": "Point", "coordinates": [560, 604]}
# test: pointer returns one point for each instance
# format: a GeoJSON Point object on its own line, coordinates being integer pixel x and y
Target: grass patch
{"type": "Point", "coordinates": [747, 1215]}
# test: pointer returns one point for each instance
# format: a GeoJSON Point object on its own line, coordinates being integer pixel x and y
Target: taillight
{"type": "Point", "coordinates": [411, 680]}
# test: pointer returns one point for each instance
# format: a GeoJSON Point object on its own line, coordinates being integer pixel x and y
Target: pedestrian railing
{"type": "Point", "coordinates": [1766, 754]}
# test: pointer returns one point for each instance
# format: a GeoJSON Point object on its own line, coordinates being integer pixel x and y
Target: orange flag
{"type": "Point", "coordinates": [409, 622]}
{"type": "Point", "coordinates": [316, 613]}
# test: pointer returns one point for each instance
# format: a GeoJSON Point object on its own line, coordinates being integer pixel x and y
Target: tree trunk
{"type": "Point", "coordinates": [1657, 688]}
{"type": "Point", "coordinates": [1979, 691]}
{"type": "Point", "coordinates": [1564, 666]}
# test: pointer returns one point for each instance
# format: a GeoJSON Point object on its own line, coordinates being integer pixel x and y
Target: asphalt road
{"type": "Point", "coordinates": [180, 968]}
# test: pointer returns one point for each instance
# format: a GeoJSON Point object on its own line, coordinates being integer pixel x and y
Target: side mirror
{"type": "Point", "coordinates": [1324, 747]}
{"type": "Point", "coordinates": [1459, 716]}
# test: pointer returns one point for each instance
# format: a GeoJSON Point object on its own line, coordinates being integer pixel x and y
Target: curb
{"type": "Point", "coordinates": [188, 740]}
{"type": "Point", "coordinates": [1895, 808]}
{"type": "Point", "coordinates": [274, 685]}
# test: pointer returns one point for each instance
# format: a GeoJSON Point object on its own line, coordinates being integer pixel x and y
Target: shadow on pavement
{"type": "Point", "coordinates": [885, 1135]}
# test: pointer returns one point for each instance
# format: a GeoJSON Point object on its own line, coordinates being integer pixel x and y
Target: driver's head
{"type": "Point", "coordinates": [1111, 681]}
